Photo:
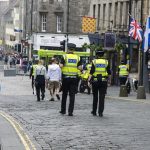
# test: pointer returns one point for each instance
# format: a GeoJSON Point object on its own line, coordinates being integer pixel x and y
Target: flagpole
{"type": "Point", "coordinates": [129, 42]}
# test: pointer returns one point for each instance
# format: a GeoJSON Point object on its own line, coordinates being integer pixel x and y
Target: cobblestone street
{"type": "Point", "coordinates": [125, 125]}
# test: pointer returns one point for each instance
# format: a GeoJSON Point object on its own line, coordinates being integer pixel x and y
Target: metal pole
{"type": "Point", "coordinates": [129, 42]}
{"type": "Point", "coordinates": [68, 5]}
{"type": "Point", "coordinates": [141, 90]}
{"type": "Point", "coordinates": [141, 54]}
{"type": "Point", "coordinates": [31, 15]}
{"type": "Point", "coordinates": [25, 20]}
{"type": "Point", "coordinates": [31, 30]}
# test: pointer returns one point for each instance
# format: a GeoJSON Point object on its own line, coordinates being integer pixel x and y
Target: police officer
{"type": "Point", "coordinates": [32, 72]}
{"type": "Point", "coordinates": [87, 73]}
{"type": "Point", "coordinates": [40, 76]}
{"type": "Point", "coordinates": [99, 73]}
{"type": "Point", "coordinates": [123, 73]}
{"type": "Point", "coordinates": [69, 64]}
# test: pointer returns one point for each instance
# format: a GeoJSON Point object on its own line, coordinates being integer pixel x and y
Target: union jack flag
{"type": "Point", "coordinates": [135, 30]}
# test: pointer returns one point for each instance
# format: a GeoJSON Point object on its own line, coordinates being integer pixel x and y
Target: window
{"type": "Point", "coordinates": [94, 9]}
{"type": "Point", "coordinates": [51, 1]}
{"type": "Point", "coordinates": [43, 22]}
{"type": "Point", "coordinates": [98, 17]}
{"type": "Point", "coordinates": [59, 23]}
{"type": "Point", "coordinates": [104, 15]}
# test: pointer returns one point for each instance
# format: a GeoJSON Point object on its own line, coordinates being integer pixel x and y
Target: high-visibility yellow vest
{"type": "Point", "coordinates": [100, 67]}
{"type": "Point", "coordinates": [70, 66]}
{"type": "Point", "coordinates": [34, 67]}
{"type": "Point", "coordinates": [79, 73]}
{"type": "Point", "coordinates": [89, 67]}
{"type": "Point", "coordinates": [123, 70]}
{"type": "Point", "coordinates": [87, 72]}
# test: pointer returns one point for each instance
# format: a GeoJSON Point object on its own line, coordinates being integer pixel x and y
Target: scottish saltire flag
{"type": "Point", "coordinates": [135, 30]}
{"type": "Point", "coordinates": [146, 40]}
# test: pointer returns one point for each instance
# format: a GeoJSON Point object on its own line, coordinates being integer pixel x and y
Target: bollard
{"type": "Point", "coordinates": [123, 91]}
{"type": "Point", "coordinates": [10, 72]}
{"type": "Point", "coordinates": [141, 92]}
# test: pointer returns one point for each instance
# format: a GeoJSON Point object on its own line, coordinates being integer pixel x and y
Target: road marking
{"type": "Point", "coordinates": [20, 132]}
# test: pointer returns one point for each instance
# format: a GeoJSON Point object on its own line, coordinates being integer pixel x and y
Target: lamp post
{"type": "Point", "coordinates": [67, 25]}
{"type": "Point", "coordinates": [31, 15]}
{"type": "Point", "coordinates": [141, 89]}
{"type": "Point", "coordinates": [141, 54]}
{"type": "Point", "coordinates": [129, 42]}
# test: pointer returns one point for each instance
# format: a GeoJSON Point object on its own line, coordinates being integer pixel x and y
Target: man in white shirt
{"type": "Point", "coordinates": [54, 78]}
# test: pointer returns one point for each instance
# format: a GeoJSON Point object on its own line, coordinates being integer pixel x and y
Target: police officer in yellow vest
{"type": "Point", "coordinates": [85, 76]}
{"type": "Point", "coordinates": [99, 73]}
{"type": "Point", "coordinates": [69, 64]}
{"type": "Point", "coordinates": [123, 73]}
{"type": "Point", "coordinates": [32, 72]}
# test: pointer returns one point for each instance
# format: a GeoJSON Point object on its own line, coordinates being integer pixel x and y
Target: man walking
{"type": "Point", "coordinates": [69, 64]}
{"type": "Point", "coordinates": [40, 76]}
{"type": "Point", "coordinates": [54, 78]}
{"type": "Point", "coordinates": [99, 75]}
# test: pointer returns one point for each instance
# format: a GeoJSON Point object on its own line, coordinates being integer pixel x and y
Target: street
{"type": "Point", "coordinates": [125, 125]}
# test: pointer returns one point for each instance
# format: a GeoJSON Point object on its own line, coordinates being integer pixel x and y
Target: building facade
{"type": "Point", "coordinates": [12, 24]}
{"type": "Point", "coordinates": [112, 15]}
{"type": "Point", "coordinates": [3, 6]}
{"type": "Point", "coordinates": [55, 16]}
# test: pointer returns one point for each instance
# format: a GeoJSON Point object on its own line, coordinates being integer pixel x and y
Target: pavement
{"type": "Point", "coordinates": [9, 140]}
{"type": "Point", "coordinates": [125, 125]}
{"type": "Point", "coordinates": [113, 93]}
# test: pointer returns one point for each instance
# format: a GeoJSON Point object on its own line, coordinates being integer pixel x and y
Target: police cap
{"type": "Point", "coordinates": [122, 62]}
{"type": "Point", "coordinates": [100, 52]}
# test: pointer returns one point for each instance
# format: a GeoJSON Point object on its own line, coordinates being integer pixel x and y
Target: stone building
{"type": "Point", "coordinates": [146, 9]}
{"type": "Point", "coordinates": [3, 6]}
{"type": "Point", "coordinates": [112, 15]}
{"type": "Point", "coordinates": [12, 24]}
{"type": "Point", "coordinates": [52, 15]}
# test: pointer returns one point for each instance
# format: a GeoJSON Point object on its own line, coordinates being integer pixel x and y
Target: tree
{"type": "Point", "coordinates": [93, 47]}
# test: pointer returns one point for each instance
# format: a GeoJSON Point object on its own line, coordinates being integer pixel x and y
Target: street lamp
{"type": "Point", "coordinates": [67, 26]}
{"type": "Point", "coordinates": [31, 15]}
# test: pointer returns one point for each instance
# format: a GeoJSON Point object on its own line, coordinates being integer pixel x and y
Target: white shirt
{"type": "Point", "coordinates": [54, 72]}
{"type": "Point", "coordinates": [40, 70]}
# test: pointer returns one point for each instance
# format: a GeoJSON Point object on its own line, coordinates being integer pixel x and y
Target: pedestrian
{"type": "Point", "coordinates": [85, 76]}
{"type": "Point", "coordinates": [69, 64]}
{"type": "Point", "coordinates": [40, 76]}
{"type": "Point", "coordinates": [123, 72]}
{"type": "Point", "coordinates": [25, 65]}
{"type": "Point", "coordinates": [32, 72]}
{"type": "Point", "coordinates": [99, 74]}
{"type": "Point", "coordinates": [6, 59]}
{"type": "Point", "coordinates": [54, 79]}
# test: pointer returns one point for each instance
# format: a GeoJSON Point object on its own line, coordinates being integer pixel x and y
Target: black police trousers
{"type": "Point", "coordinates": [32, 83]}
{"type": "Point", "coordinates": [40, 87]}
{"type": "Point", "coordinates": [68, 86]}
{"type": "Point", "coordinates": [99, 91]}
{"type": "Point", "coordinates": [123, 80]}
